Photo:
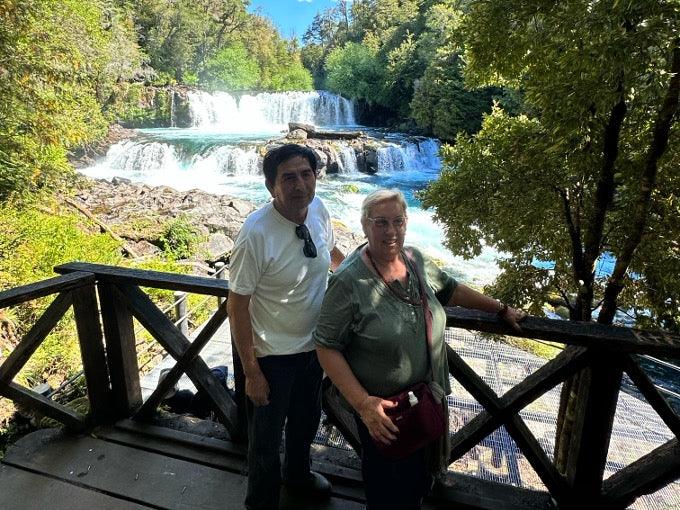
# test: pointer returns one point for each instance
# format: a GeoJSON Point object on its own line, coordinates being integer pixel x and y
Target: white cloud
{"type": "Point", "coordinates": [306, 1]}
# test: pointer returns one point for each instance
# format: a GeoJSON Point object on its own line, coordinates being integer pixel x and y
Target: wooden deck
{"type": "Point", "coordinates": [132, 467]}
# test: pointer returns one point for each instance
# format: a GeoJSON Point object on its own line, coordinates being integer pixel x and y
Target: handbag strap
{"type": "Point", "coordinates": [426, 309]}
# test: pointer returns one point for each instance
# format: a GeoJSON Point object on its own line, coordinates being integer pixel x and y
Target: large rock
{"type": "Point", "coordinates": [218, 246]}
{"type": "Point", "coordinates": [139, 214]}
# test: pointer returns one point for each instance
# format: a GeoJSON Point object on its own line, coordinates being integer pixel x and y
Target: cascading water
{"type": "Point", "coordinates": [268, 112]}
{"type": "Point", "coordinates": [347, 159]}
{"type": "Point", "coordinates": [222, 153]}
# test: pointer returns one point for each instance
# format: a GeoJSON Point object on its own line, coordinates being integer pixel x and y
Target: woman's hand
{"type": "Point", "coordinates": [379, 425]}
{"type": "Point", "coordinates": [513, 317]}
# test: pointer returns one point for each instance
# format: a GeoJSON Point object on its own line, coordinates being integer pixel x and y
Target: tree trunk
{"type": "Point", "coordinates": [657, 147]}
{"type": "Point", "coordinates": [584, 273]}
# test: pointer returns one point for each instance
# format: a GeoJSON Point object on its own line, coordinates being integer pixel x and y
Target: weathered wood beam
{"type": "Point", "coordinates": [587, 334]}
{"type": "Point", "coordinates": [35, 336]}
{"type": "Point", "coordinates": [31, 400]}
{"type": "Point", "coordinates": [175, 343]}
{"type": "Point", "coordinates": [92, 352]}
{"type": "Point", "coordinates": [44, 288]}
{"type": "Point", "coordinates": [155, 279]}
{"type": "Point", "coordinates": [646, 475]}
{"type": "Point", "coordinates": [542, 380]}
{"type": "Point", "coordinates": [654, 398]}
{"type": "Point", "coordinates": [186, 359]}
{"type": "Point", "coordinates": [472, 493]}
{"type": "Point", "coordinates": [121, 351]}
{"type": "Point", "coordinates": [495, 415]}
{"type": "Point", "coordinates": [593, 422]}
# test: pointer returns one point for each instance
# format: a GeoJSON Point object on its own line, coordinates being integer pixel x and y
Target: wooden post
{"type": "Point", "coordinates": [92, 351]}
{"type": "Point", "coordinates": [241, 433]}
{"type": "Point", "coordinates": [593, 421]}
{"type": "Point", "coordinates": [121, 351]}
{"type": "Point", "coordinates": [220, 274]}
{"type": "Point", "coordinates": [181, 312]}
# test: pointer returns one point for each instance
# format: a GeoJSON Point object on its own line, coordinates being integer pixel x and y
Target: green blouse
{"type": "Point", "coordinates": [382, 337]}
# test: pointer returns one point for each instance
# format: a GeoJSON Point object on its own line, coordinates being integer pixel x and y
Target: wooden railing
{"type": "Point", "coordinates": [106, 299]}
{"type": "Point", "coordinates": [108, 345]}
{"type": "Point", "coordinates": [603, 354]}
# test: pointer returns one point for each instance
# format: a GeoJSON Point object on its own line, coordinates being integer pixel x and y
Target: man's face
{"type": "Point", "coordinates": [295, 185]}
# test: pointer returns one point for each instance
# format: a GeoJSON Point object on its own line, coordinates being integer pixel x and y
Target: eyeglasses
{"type": "Point", "coordinates": [398, 223]}
{"type": "Point", "coordinates": [309, 249]}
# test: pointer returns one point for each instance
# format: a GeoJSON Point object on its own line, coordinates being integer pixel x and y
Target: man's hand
{"type": "Point", "coordinates": [257, 388]}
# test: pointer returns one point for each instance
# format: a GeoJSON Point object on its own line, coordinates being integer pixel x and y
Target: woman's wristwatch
{"type": "Point", "coordinates": [503, 311]}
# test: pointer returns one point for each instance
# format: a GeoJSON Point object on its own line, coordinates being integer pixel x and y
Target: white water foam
{"type": "Point", "coordinates": [267, 112]}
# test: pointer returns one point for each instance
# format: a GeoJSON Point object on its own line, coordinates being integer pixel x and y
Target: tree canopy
{"type": "Point", "coordinates": [57, 66]}
{"type": "Point", "coordinates": [403, 56]}
{"type": "Point", "coordinates": [63, 66]}
{"type": "Point", "coordinates": [590, 175]}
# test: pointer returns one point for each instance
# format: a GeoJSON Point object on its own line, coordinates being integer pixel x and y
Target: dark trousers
{"type": "Point", "coordinates": [294, 399]}
{"type": "Point", "coordinates": [391, 484]}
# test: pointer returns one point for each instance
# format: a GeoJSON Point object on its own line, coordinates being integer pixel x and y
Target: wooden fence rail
{"type": "Point", "coordinates": [602, 353]}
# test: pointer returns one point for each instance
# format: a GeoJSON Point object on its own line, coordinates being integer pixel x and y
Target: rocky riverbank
{"type": "Point", "coordinates": [139, 215]}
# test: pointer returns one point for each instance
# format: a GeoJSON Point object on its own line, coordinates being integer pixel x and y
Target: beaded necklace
{"type": "Point", "coordinates": [404, 297]}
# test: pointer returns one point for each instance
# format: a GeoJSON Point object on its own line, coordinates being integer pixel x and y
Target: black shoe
{"type": "Point", "coordinates": [314, 486]}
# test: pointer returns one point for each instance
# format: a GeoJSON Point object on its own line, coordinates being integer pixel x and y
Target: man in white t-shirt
{"type": "Point", "coordinates": [278, 276]}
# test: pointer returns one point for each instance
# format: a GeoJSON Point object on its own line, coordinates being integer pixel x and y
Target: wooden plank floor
{"type": "Point", "coordinates": [125, 468]}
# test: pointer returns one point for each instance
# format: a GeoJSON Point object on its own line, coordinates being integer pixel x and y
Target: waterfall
{"type": "Point", "coordinates": [268, 112]}
{"type": "Point", "coordinates": [134, 160]}
{"type": "Point", "coordinates": [228, 160]}
{"type": "Point", "coordinates": [160, 163]}
{"type": "Point", "coordinates": [409, 156]}
{"type": "Point", "coordinates": [347, 160]}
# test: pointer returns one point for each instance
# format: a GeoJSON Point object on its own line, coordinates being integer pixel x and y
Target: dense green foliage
{"type": "Point", "coordinates": [231, 68]}
{"type": "Point", "coordinates": [402, 56]}
{"type": "Point", "coordinates": [69, 68]}
{"type": "Point", "coordinates": [58, 64]}
{"type": "Point", "coordinates": [179, 238]}
{"type": "Point", "coordinates": [590, 173]}
{"type": "Point", "coordinates": [354, 71]}
{"type": "Point", "coordinates": [219, 45]}
{"type": "Point", "coordinates": [32, 242]}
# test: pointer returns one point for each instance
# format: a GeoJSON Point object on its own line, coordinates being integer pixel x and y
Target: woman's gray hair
{"type": "Point", "coordinates": [381, 195]}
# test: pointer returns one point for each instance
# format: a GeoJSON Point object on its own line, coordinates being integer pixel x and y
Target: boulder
{"type": "Point", "coordinates": [217, 246]}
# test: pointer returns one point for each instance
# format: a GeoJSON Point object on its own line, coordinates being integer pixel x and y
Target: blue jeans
{"type": "Point", "coordinates": [391, 484]}
{"type": "Point", "coordinates": [294, 400]}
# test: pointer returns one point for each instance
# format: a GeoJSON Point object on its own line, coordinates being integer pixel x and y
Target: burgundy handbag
{"type": "Point", "coordinates": [418, 424]}
{"type": "Point", "coordinates": [418, 415]}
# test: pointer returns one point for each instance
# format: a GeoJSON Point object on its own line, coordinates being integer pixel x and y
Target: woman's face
{"type": "Point", "coordinates": [385, 229]}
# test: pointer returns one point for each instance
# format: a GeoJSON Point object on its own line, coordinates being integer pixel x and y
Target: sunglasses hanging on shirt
{"type": "Point", "coordinates": [309, 249]}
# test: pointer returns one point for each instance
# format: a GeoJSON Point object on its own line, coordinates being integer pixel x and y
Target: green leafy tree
{"type": "Point", "coordinates": [278, 59]}
{"type": "Point", "coordinates": [181, 35]}
{"type": "Point", "coordinates": [412, 52]}
{"type": "Point", "coordinates": [354, 71]}
{"type": "Point", "coordinates": [56, 61]}
{"type": "Point", "coordinates": [592, 174]}
{"type": "Point", "coordinates": [232, 68]}
{"type": "Point", "coordinates": [590, 163]}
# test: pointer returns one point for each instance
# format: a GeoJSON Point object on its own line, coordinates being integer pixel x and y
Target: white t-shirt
{"type": "Point", "coordinates": [286, 288]}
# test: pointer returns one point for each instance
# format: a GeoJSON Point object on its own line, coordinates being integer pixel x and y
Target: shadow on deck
{"type": "Point", "coordinates": [132, 466]}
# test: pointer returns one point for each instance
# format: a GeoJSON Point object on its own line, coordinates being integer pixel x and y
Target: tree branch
{"type": "Point", "coordinates": [604, 193]}
{"type": "Point", "coordinates": [657, 147]}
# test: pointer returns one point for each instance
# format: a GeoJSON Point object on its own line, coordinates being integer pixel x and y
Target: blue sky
{"type": "Point", "coordinates": [291, 17]}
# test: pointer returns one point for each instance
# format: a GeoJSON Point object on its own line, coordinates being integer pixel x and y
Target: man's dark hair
{"type": "Point", "coordinates": [275, 157]}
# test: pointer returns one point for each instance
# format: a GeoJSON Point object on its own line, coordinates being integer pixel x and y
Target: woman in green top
{"type": "Point", "coordinates": [371, 342]}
